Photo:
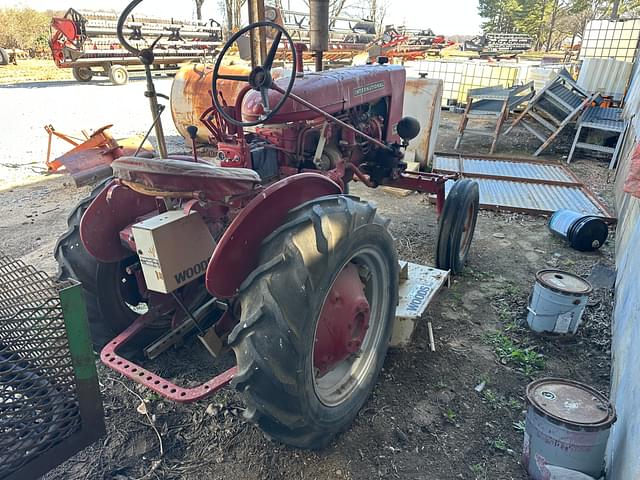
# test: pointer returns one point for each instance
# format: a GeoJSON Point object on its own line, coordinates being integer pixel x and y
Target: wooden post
{"type": "Point", "coordinates": [258, 36]}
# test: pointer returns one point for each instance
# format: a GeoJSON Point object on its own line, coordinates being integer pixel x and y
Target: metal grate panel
{"type": "Point", "coordinates": [533, 197]}
{"type": "Point", "coordinates": [47, 387]}
{"type": "Point", "coordinates": [503, 168]}
{"type": "Point", "coordinates": [523, 186]}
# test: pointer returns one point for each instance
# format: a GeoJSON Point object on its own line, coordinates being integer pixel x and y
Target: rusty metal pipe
{"type": "Point", "coordinates": [319, 25]}
{"type": "Point", "coordinates": [318, 58]}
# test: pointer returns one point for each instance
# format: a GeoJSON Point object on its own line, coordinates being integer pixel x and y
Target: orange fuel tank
{"type": "Point", "coordinates": [190, 94]}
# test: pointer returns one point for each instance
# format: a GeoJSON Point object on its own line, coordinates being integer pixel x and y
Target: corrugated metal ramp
{"type": "Point", "coordinates": [523, 186]}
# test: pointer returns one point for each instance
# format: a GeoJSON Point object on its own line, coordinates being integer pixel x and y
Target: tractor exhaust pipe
{"type": "Point", "coordinates": [319, 29]}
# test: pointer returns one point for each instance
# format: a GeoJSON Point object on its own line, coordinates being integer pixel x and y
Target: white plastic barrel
{"type": "Point", "coordinates": [567, 425]}
{"type": "Point", "coordinates": [557, 302]}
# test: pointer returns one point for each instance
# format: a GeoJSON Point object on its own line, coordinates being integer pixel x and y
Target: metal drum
{"type": "Point", "coordinates": [583, 232]}
{"type": "Point", "coordinates": [557, 302]}
{"type": "Point", "coordinates": [567, 425]}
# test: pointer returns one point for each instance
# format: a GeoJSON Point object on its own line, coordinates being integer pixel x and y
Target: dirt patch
{"type": "Point", "coordinates": [425, 419]}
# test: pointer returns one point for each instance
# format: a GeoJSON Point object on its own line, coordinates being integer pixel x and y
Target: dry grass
{"type": "Point", "coordinates": [33, 70]}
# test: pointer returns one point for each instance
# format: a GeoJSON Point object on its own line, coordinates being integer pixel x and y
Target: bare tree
{"type": "Point", "coordinates": [199, 9]}
{"type": "Point", "coordinates": [377, 11]}
{"type": "Point", "coordinates": [233, 13]}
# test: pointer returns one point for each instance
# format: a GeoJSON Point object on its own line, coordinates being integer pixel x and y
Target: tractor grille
{"type": "Point", "coordinates": [40, 392]}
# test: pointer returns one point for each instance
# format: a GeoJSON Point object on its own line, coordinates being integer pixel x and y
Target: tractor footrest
{"type": "Point", "coordinates": [161, 386]}
{"type": "Point", "coordinates": [418, 286]}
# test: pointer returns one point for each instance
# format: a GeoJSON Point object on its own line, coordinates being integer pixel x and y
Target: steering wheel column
{"type": "Point", "coordinates": [147, 58]}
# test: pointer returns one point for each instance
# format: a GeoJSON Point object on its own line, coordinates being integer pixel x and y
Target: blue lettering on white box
{"type": "Point", "coordinates": [418, 298]}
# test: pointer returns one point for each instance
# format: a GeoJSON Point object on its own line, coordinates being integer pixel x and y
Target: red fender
{"type": "Point", "coordinates": [236, 254]}
{"type": "Point", "coordinates": [112, 210]}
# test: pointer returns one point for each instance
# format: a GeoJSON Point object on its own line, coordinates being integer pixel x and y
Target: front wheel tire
{"type": "Point", "coordinates": [303, 382]}
{"type": "Point", "coordinates": [456, 225]}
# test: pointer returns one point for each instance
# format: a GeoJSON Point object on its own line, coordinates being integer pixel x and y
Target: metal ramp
{"type": "Point", "coordinates": [525, 186]}
{"type": "Point", "coordinates": [556, 105]}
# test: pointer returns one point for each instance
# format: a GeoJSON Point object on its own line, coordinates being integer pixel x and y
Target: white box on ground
{"type": "Point", "coordinates": [174, 249]}
{"type": "Point", "coordinates": [416, 291]}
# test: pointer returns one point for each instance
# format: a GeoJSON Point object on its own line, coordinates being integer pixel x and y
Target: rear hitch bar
{"type": "Point", "coordinates": [161, 386]}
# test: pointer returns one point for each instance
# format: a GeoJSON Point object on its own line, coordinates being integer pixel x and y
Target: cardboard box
{"type": "Point", "coordinates": [174, 249]}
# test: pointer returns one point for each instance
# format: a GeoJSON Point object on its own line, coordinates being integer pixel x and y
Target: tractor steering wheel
{"type": "Point", "coordinates": [260, 77]}
{"type": "Point", "coordinates": [120, 27]}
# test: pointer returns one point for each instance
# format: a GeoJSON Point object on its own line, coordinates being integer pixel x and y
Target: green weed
{"type": "Point", "coordinates": [525, 359]}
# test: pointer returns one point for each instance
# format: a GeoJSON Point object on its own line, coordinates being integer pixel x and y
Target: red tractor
{"type": "Point", "coordinates": [264, 252]}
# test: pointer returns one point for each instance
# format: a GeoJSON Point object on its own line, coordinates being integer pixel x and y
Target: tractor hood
{"type": "Point", "coordinates": [333, 91]}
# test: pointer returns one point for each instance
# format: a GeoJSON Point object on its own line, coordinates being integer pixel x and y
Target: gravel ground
{"type": "Point", "coordinates": [70, 107]}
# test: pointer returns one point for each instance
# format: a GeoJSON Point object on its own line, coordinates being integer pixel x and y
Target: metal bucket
{"type": "Point", "coordinates": [567, 425]}
{"type": "Point", "coordinates": [583, 232]}
{"type": "Point", "coordinates": [557, 302]}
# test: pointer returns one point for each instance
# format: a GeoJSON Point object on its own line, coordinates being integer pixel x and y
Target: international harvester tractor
{"type": "Point", "coordinates": [264, 252]}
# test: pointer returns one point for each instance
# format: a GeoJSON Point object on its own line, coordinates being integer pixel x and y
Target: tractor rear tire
{"type": "Point", "coordinates": [118, 75]}
{"type": "Point", "coordinates": [4, 57]}
{"type": "Point", "coordinates": [82, 74]}
{"type": "Point", "coordinates": [108, 315]}
{"type": "Point", "coordinates": [456, 225]}
{"type": "Point", "coordinates": [281, 301]}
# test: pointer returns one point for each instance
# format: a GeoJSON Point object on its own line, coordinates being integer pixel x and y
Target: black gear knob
{"type": "Point", "coordinates": [408, 128]}
{"type": "Point", "coordinates": [192, 130]}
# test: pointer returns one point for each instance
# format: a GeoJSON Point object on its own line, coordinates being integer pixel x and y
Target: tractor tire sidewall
{"type": "Point", "coordinates": [4, 57]}
{"type": "Point", "coordinates": [323, 416]}
{"type": "Point", "coordinates": [280, 311]}
{"type": "Point", "coordinates": [463, 194]}
{"type": "Point", "coordinates": [104, 306]}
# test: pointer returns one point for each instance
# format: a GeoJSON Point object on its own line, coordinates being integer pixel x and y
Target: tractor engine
{"type": "Point", "coordinates": [319, 145]}
{"type": "Point", "coordinates": [301, 138]}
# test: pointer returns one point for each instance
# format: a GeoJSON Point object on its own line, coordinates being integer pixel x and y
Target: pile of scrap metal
{"type": "Point", "coordinates": [408, 44]}
{"type": "Point", "coordinates": [87, 43]}
{"type": "Point", "coordinates": [348, 36]}
{"type": "Point", "coordinates": [499, 44]}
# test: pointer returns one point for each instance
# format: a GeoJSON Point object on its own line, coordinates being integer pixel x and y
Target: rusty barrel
{"type": "Point", "coordinates": [191, 94]}
{"type": "Point", "coordinates": [567, 426]}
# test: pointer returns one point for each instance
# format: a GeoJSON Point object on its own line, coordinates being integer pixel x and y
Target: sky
{"type": "Point", "coordinates": [448, 17]}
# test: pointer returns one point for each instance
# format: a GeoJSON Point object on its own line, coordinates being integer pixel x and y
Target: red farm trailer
{"type": "Point", "coordinates": [87, 43]}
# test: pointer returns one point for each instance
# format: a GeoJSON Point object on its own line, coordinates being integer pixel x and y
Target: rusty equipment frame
{"type": "Point", "coordinates": [50, 403]}
{"type": "Point", "coordinates": [553, 107]}
{"type": "Point", "coordinates": [492, 102]}
{"type": "Point", "coordinates": [90, 158]}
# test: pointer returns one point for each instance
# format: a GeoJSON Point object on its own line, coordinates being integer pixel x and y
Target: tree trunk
{"type": "Point", "coordinates": [199, 9]}
{"type": "Point", "coordinates": [540, 25]}
{"type": "Point", "coordinates": [228, 4]}
{"type": "Point", "coordinates": [614, 9]}
{"type": "Point", "coordinates": [552, 24]}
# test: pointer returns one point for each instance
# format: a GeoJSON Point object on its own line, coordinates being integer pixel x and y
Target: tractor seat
{"type": "Point", "coordinates": [167, 177]}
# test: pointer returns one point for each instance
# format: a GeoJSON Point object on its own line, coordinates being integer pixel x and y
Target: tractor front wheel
{"type": "Point", "coordinates": [316, 319]}
{"type": "Point", "coordinates": [456, 225]}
